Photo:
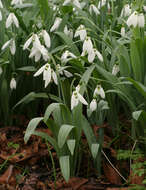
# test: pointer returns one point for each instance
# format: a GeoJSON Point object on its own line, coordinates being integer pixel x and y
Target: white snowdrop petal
{"type": "Point", "coordinates": [93, 105]}
{"type": "Point", "coordinates": [15, 20]}
{"type": "Point", "coordinates": [12, 47]}
{"type": "Point", "coordinates": [81, 99]}
{"type": "Point", "coordinates": [74, 101]}
{"type": "Point", "coordinates": [56, 24]}
{"type": "Point", "coordinates": [39, 71]}
{"type": "Point", "coordinates": [13, 84]}
{"type": "Point", "coordinates": [1, 17]}
{"type": "Point", "coordinates": [67, 74]}
{"type": "Point", "coordinates": [6, 44]}
{"type": "Point", "coordinates": [100, 57]}
{"type": "Point", "coordinates": [1, 5]}
{"type": "Point", "coordinates": [91, 56]}
{"type": "Point", "coordinates": [54, 76]}
{"type": "Point", "coordinates": [9, 21]}
{"type": "Point", "coordinates": [46, 38]}
{"type": "Point", "coordinates": [27, 43]}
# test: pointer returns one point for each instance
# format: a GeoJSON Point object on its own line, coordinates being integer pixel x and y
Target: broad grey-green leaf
{"type": "Point", "coordinates": [63, 134]}
{"type": "Point", "coordinates": [65, 167]}
{"type": "Point", "coordinates": [31, 128]}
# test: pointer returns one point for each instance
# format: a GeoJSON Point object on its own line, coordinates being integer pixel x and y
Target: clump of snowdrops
{"type": "Point", "coordinates": [84, 57]}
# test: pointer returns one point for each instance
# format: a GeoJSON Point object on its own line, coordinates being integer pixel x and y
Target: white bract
{"type": "Point", "coordinates": [93, 53]}
{"type": "Point", "coordinates": [136, 19]}
{"type": "Point", "coordinates": [77, 97]}
{"type": "Point", "coordinates": [12, 19]}
{"type": "Point", "coordinates": [13, 84]}
{"type": "Point", "coordinates": [99, 91]}
{"type": "Point", "coordinates": [66, 56]}
{"type": "Point", "coordinates": [93, 105]}
{"type": "Point", "coordinates": [81, 31]}
{"type": "Point", "coordinates": [56, 24]}
{"type": "Point", "coordinates": [16, 2]}
{"type": "Point", "coordinates": [48, 74]}
{"type": "Point", "coordinates": [11, 45]}
{"type": "Point", "coordinates": [126, 11]}
{"type": "Point", "coordinates": [94, 9]}
{"type": "Point", "coordinates": [115, 69]}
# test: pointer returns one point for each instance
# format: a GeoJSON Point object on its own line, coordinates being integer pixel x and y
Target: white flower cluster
{"type": "Point", "coordinates": [87, 45]}
{"type": "Point", "coordinates": [97, 92]}
{"type": "Point", "coordinates": [38, 49]}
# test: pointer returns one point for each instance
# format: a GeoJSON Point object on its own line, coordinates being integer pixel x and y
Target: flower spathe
{"type": "Point", "coordinates": [13, 84]}
{"type": "Point", "coordinates": [76, 98]}
{"type": "Point", "coordinates": [12, 19]}
{"type": "Point", "coordinates": [48, 74]}
{"type": "Point", "coordinates": [11, 45]}
{"type": "Point", "coordinates": [136, 19]}
{"type": "Point", "coordinates": [99, 91]}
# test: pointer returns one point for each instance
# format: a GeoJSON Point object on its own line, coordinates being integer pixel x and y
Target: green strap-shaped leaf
{"type": "Point", "coordinates": [65, 167]}
{"type": "Point", "coordinates": [72, 47]}
{"type": "Point", "coordinates": [49, 110]}
{"type": "Point", "coordinates": [63, 134]}
{"type": "Point", "coordinates": [140, 87]}
{"type": "Point", "coordinates": [31, 128]}
{"type": "Point", "coordinates": [30, 97]}
{"type": "Point", "coordinates": [71, 145]}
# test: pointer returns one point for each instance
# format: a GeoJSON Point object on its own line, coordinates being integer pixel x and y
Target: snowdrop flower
{"type": "Point", "coordinates": [123, 31]}
{"type": "Point", "coordinates": [93, 105]}
{"type": "Point", "coordinates": [92, 54]}
{"type": "Point", "coordinates": [103, 3]}
{"type": "Point", "coordinates": [11, 45]}
{"type": "Point", "coordinates": [68, 32]}
{"type": "Point", "coordinates": [62, 71]}
{"type": "Point", "coordinates": [87, 46]}
{"type": "Point", "coordinates": [75, 2]}
{"type": "Point", "coordinates": [12, 19]}
{"type": "Point", "coordinates": [115, 69]}
{"type": "Point", "coordinates": [15, 2]}
{"type": "Point", "coordinates": [48, 74]}
{"type": "Point", "coordinates": [126, 11]}
{"type": "Point", "coordinates": [13, 84]}
{"type": "Point", "coordinates": [37, 51]}
{"type": "Point", "coordinates": [46, 37]}
{"type": "Point", "coordinates": [77, 97]}
{"type": "Point", "coordinates": [99, 91]}
{"type": "Point", "coordinates": [56, 24]}
{"type": "Point", "coordinates": [136, 19]}
{"type": "Point", "coordinates": [81, 31]}
{"type": "Point", "coordinates": [94, 9]}
{"type": "Point", "coordinates": [66, 56]}
{"type": "Point", "coordinates": [1, 70]}
{"type": "Point", "coordinates": [28, 42]}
